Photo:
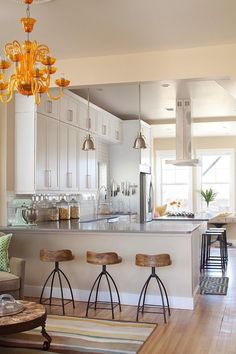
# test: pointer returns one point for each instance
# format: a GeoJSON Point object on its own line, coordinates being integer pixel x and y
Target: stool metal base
{"type": "Point", "coordinates": [164, 297]}
{"type": "Point", "coordinates": [98, 304]}
{"type": "Point", "coordinates": [60, 275]}
{"type": "Point", "coordinates": [209, 261]}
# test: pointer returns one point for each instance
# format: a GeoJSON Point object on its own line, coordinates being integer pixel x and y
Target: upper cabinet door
{"type": "Point", "coordinates": [52, 153]}
{"type": "Point", "coordinates": [85, 122]}
{"type": "Point", "coordinates": [116, 129]}
{"type": "Point", "coordinates": [69, 110]}
{"type": "Point", "coordinates": [68, 157]}
{"type": "Point", "coordinates": [48, 107]}
{"type": "Point", "coordinates": [47, 154]}
{"type": "Point", "coordinates": [82, 115]}
{"type": "Point", "coordinates": [103, 124]}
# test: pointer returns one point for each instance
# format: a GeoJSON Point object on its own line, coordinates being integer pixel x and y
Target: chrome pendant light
{"type": "Point", "coordinates": [139, 142]}
{"type": "Point", "coordinates": [88, 143]}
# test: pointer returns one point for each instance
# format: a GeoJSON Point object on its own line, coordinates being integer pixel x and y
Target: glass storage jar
{"type": "Point", "coordinates": [64, 209]}
{"type": "Point", "coordinates": [53, 211]}
{"type": "Point", "coordinates": [74, 209]}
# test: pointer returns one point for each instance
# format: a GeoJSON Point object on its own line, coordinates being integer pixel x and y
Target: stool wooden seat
{"type": "Point", "coordinates": [56, 257]}
{"type": "Point", "coordinates": [103, 259]}
{"type": "Point", "coordinates": [159, 260]}
{"type": "Point", "coordinates": [153, 261]}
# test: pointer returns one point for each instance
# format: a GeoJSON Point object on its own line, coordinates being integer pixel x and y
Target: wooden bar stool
{"type": "Point", "coordinates": [103, 259]}
{"type": "Point", "coordinates": [56, 256]}
{"type": "Point", "coordinates": [153, 261]}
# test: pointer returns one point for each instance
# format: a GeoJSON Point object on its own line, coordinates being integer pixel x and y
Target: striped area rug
{"type": "Point", "coordinates": [214, 285]}
{"type": "Point", "coordinates": [86, 335]}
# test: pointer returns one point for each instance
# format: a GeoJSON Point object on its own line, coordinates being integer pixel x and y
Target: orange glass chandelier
{"type": "Point", "coordinates": [33, 67]}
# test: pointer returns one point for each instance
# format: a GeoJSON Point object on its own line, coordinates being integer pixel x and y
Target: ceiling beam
{"type": "Point", "coordinates": [194, 120]}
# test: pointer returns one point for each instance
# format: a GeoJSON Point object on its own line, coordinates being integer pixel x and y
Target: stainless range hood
{"type": "Point", "coordinates": [183, 135]}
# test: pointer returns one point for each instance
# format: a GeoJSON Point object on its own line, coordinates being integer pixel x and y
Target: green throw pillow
{"type": "Point", "coordinates": [4, 259]}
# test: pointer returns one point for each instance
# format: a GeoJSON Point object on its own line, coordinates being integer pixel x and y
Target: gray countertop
{"type": "Point", "coordinates": [197, 217]}
{"type": "Point", "coordinates": [107, 225]}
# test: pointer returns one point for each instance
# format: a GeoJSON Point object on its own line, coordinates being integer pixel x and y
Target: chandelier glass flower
{"type": "Point", "coordinates": [33, 67]}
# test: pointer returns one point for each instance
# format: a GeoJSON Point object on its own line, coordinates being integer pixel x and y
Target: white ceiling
{"type": "Point", "coordinates": [81, 28]}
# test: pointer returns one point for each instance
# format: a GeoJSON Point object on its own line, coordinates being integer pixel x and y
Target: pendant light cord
{"type": "Point", "coordinates": [88, 110]}
{"type": "Point", "coordinates": [139, 98]}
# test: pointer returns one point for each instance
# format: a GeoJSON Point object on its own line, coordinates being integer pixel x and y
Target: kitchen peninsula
{"type": "Point", "coordinates": [180, 240]}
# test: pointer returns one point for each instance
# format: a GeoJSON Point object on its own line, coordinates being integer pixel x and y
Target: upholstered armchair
{"type": "Point", "coordinates": [13, 282]}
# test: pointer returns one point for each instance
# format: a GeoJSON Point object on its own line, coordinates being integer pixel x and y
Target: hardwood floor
{"type": "Point", "coordinates": [210, 328]}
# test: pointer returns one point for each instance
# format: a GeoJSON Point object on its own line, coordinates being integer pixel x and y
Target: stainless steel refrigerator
{"type": "Point", "coordinates": [146, 197]}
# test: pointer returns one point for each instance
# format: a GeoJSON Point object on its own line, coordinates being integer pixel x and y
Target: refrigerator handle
{"type": "Point", "coordinates": [151, 198]}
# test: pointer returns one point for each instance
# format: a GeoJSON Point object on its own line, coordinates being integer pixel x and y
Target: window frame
{"type": "Point", "coordinates": [209, 152]}
{"type": "Point", "coordinates": [170, 154]}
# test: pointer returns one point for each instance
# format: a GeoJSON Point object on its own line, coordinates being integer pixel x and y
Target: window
{"type": "Point", "coordinates": [216, 171]}
{"type": "Point", "coordinates": [173, 183]}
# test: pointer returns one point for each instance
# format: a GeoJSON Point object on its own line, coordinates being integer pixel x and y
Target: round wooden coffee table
{"type": "Point", "coordinates": [34, 315]}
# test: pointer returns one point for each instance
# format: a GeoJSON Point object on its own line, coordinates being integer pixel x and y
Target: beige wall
{"type": "Point", "coordinates": [202, 62]}
{"type": "Point", "coordinates": [3, 164]}
{"type": "Point", "coordinates": [228, 142]}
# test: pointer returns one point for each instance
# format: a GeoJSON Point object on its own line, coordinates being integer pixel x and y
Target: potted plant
{"type": "Point", "coordinates": [208, 195]}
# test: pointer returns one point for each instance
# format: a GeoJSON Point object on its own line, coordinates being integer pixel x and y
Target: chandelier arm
{"type": "Point", "coordinates": [9, 92]}
{"type": "Point", "coordinates": [60, 95]}
{"type": "Point", "coordinates": [37, 98]}
{"type": "Point", "coordinates": [34, 86]}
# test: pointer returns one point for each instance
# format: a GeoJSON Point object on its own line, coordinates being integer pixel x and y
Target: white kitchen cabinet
{"type": "Point", "coordinates": [85, 122]}
{"type": "Point", "coordinates": [69, 110]}
{"type": "Point", "coordinates": [87, 166]}
{"type": "Point", "coordinates": [115, 131]}
{"type": "Point", "coordinates": [24, 152]}
{"type": "Point", "coordinates": [47, 153]}
{"type": "Point", "coordinates": [103, 124]}
{"type": "Point", "coordinates": [49, 107]}
{"type": "Point", "coordinates": [68, 158]}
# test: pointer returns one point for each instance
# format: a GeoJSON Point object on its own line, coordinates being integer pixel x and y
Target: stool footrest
{"type": "Point", "coordinates": [98, 305]}
{"type": "Point", "coordinates": [47, 302]}
{"type": "Point", "coordinates": [150, 306]}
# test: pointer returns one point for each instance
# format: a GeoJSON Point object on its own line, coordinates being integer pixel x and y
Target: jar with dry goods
{"type": "Point", "coordinates": [53, 211]}
{"type": "Point", "coordinates": [74, 209]}
{"type": "Point", "coordinates": [64, 209]}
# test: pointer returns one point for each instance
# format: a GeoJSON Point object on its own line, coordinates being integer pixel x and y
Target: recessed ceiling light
{"type": "Point", "coordinates": [169, 109]}
{"type": "Point", "coordinates": [165, 85]}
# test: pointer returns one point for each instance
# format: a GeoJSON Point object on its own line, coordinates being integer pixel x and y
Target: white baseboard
{"type": "Point", "coordinates": [184, 303]}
